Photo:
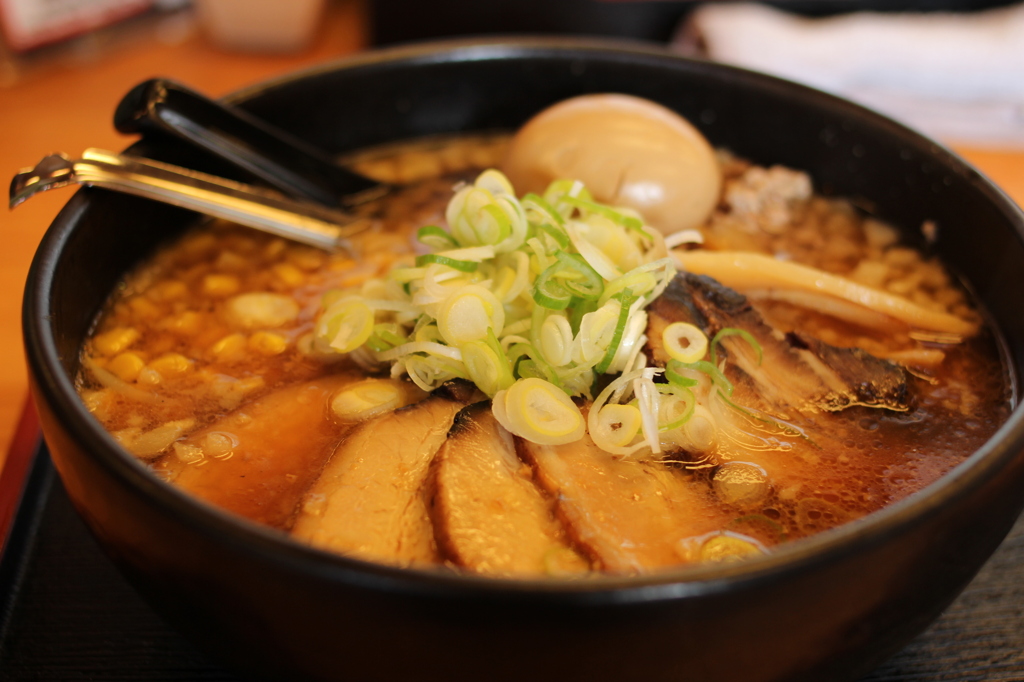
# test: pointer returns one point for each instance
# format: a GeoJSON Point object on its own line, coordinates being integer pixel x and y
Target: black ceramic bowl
{"type": "Point", "coordinates": [827, 608]}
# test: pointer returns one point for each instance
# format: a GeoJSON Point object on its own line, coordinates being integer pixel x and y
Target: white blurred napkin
{"type": "Point", "coordinates": [956, 77]}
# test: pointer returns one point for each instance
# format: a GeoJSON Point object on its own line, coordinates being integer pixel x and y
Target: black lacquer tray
{"type": "Point", "coordinates": [67, 614]}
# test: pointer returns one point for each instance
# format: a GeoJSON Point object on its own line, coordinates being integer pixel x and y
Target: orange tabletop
{"type": "Point", "coordinates": [68, 106]}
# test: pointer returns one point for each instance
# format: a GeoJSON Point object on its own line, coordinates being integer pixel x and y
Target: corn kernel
{"type": "Point", "coordinates": [268, 343]}
{"type": "Point", "coordinates": [171, 365]}
{"type": "Point", "coordinates": [187, 453]}
{"type": "Point", "coordinates": [305, 258]}
{"type": "Point", "coordinates": [260, 310]}
{"type": "Point", "coordinates": [221, 285]}
{"type": "Point", "coordinates": [382, 260]}
{"type": "Point", "coordinates": [99, 402]}
{"type": "Point", "coordinates": [126, 366]}
{"type": "Point", "coordinates": [274, 248]}
{"type": "Point", "coordinates": [341, 264]}
{"type": "Point", "coordinates": [358, 276]}
{"type": "Point", "coordinates": [219, 444]}
{"type": "Point", "coordinates": [230, 261]}
{"type": "Point", "coordinates": [149, 377]}
{"type": "Point", "coordinates": [242, 242]}
{"type": "Point", "coordinates": [144, 309]}
{"type": "Point", "coordinates": [198, 243]}
{"type": "Point", "coordinates": [168, 290]}
{"type": "Point", "coordinates": [231, 347]}
{"type": "Point", "coordinates": [114, 341]}
{"type": "Point", "coordinates": [187, 323]}
{"type": "Point", "coordinates": [250, 384]}
{"type": "Point", "coordinates": [288, 274]}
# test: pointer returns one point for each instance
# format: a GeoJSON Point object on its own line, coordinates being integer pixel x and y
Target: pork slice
{"type": "Point", "coordinates": [629, 515]}
{"type": "Point", "coordinates": [489, 516]}
{"type": "Point", "coordinates": [866, 380]}
{"type": "Point", "coordinates": [258, 460]}
{"type": "Point", "coordinates": [371, 499]}
{"type": "Point", "coordinates": [796, 372]}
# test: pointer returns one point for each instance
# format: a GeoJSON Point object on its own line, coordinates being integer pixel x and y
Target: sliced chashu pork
{"type": "Point", "coordinates": [371, 500]}
{"type": "Point", "coordinates": [796, 372]}
{"type": "Point", "coordinates": [260, 459]}
{"type": "Point", "coordinates": [629, 515]}
{"type": "Point", "coordinates": [489, 516]}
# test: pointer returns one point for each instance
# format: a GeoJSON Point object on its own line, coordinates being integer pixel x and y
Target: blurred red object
{"type": "Point", "coordinates": [28, 24]}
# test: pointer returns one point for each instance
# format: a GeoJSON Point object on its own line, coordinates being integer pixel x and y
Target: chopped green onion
{"type": "Point", "coordinates": [625, 299]}
{"type": "Point", "coordinates": [578, 277]}
{"type": "Point", "coordinates": [460, 265]}
{"type": "Point", "coordinates": [540, 203]}
{"type": "Point", "coordinates": [487, 365]}
{"type": "Point", "coordinates": [682, 394]}
{"type": "Point", "coordinates": [579, 309]}
{"type": "Point", "coordinates": [468, 313]}
{"type": "Point", "coordinates": [555, 339]}
{"type": "Point", "coordinates": [346, 325]}
{"type": "Point", "coordinates": [626, 221]}
{"type": "Point", "coordinates": [674, 377]}
{"type": "Point", "coordinates": [549, 293]}
{"type": "Point", "coordinates": [377, 344]}
{"type": "Point", "coordinates": [696, 342]}
{"type": "Point", "coordinates": [595, 257]}
{"type": "Point", "coordinates": [743, 334]}
{"type": "Point", "coordinates": [558, 190]}
{"type": "Point", "coordinates": [618, 424]}
{"type": "Point", "coordinates": [534, 409]}
{"type": "Point", "coordinates": [387, 333]}
{"type": "Point", "coordinates": [503, 223]}
{"type": "Point", "coordinates": [436, 238]}
{"type": "Point", "coordinates": [557, 234]}
{"type": "Point", "coordinates": [385, 337]}
{"type": "Point", "coordinates": [568, 277]}
{"type": "Point", "coordinates": [527, 362]}
{"type": "Point", "coordinates": [724, 385]}
{"type": "Point", "coordinates": [553, 266]}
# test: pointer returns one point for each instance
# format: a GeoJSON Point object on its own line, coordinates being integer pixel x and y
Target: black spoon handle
{"type": "Point", "coordinates": [272, 155]}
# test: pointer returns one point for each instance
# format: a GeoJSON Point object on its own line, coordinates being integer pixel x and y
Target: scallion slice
{"type": "Point", "coordinates": [540, 412]}
{"type": "Point", "coordinates": [436, 238]}
{"type": "Point", "coordinates": [455, 264]}
{"type": "Point", "coordinates": [696, 342]}
{"type": "Point", "coordinates": [487, 365]}
{"type": "Point", "coordinates": [625, 299]}
{"type": "Point", "coordinates": [716, 375]}
{"type": "Point", "coordinates": [539, 203]}
{"type": "Point", "coordinates": [557, 234]}
{"type": "Point", "coordinates": [670, 417]}
{"type": "Point", "coordinates": [527, 362]}
{"type": "Point", "coordinates": [733, 331]}
{"type": "Point", "coordinates": [627, 221]}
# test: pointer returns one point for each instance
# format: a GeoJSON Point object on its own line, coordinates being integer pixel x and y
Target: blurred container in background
{"type": "Point", "coordinates": [260, 25]}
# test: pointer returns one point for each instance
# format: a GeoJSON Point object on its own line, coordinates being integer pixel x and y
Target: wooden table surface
{"type": "Point", "coordinates": [67, 105]}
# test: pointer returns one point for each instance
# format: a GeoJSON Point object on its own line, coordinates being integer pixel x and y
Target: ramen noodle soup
{"type": "Point", "coordinates": [521, 385]}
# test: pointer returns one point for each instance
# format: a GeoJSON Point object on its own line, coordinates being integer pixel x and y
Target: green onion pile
{"type": "Point", "coordinates": [533, 299]}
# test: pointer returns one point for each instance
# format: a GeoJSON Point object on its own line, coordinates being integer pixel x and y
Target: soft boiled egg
{"type": "Point", "coordinates": [628, 151]}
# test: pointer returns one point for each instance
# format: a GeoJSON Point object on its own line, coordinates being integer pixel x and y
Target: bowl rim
{"type": "Point", "coordinates": [50, 383]}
